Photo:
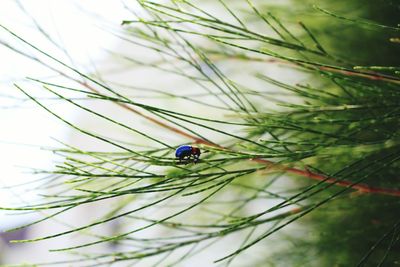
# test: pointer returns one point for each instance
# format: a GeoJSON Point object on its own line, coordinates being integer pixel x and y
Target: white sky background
{"type": "Point", "coordinates": [25, 127]}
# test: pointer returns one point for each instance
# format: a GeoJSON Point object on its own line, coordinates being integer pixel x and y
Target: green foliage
{"type": "Point", "coordinates": [321, 154]}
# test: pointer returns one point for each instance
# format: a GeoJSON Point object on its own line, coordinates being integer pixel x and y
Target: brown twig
{"type": "Point", "coordinates": [363, 188]}
{"type": "Point", "coordinates": [305, 173]}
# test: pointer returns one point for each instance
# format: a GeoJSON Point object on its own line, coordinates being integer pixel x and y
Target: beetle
{"type": "Point", "coordinates": [186, 152]}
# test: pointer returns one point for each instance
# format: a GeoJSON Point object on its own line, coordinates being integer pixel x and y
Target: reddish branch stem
{"type": "Point", "coordinates": [368, 75]}
{"type": "Point", "coordinates": [305, 173]}
{"type": "Point", "coordinates": [364, 188]}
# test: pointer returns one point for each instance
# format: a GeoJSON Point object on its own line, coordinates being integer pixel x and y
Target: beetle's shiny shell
{"type": "Point", "coordinates": [183, 151]}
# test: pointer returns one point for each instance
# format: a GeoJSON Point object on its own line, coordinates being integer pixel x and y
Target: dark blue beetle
{"type": "Point", "coordinates": [186, 152]}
